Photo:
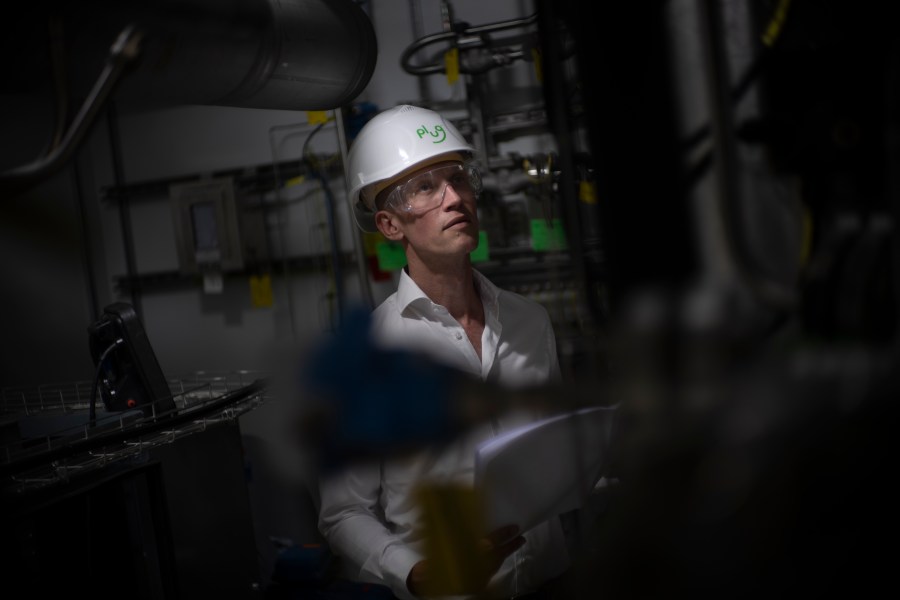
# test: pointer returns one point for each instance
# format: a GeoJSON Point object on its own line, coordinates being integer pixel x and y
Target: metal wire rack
{"type": "Point", "coordinates": [52, 440]}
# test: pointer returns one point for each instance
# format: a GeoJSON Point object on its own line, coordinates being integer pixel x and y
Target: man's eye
{"type": "Point", "coordinates": [424, 187]}
{"type": "Point", "coordinates": [457, 179]}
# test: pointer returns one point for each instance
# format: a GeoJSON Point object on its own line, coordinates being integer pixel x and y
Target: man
{"type": "Point", "coordinates": [412, 180]}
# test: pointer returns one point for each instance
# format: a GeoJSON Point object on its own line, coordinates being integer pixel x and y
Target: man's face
{"type": "Point", "coordinates": [442, 225]}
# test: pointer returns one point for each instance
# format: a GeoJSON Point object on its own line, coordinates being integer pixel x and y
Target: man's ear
{"type": "Point", "coordinates": [386, 222]}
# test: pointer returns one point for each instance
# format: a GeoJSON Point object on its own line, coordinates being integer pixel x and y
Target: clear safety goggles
{"type": "Point", "coordinates": [426, 190]}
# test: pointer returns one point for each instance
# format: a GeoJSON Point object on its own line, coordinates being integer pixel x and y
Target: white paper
{"type": "Point", "coordinates": [543, 469]}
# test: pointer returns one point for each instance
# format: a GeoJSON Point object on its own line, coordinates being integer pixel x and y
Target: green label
{"type": "Point", "coordinates": [391, 256]}
{"type": "Point", "coordinates": [439, 134]}
{"type": "Point", "coordinates": [548, 236]}
{"type": "Point", "coordinates": [482, 252]}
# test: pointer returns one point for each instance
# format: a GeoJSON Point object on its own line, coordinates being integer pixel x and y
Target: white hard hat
{"type": "Point", "coordinates": [395, 141]}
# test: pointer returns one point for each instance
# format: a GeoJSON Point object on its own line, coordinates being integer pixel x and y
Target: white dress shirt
{"type": "Point", "coordinates": [368, 513]}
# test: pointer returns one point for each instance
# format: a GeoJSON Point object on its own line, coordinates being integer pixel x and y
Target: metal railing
{"type": "Point", "coordinates": [68, 446]}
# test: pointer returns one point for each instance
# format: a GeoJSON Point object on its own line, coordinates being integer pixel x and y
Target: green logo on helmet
{"type": "Point", "coordinates": [438, 132]}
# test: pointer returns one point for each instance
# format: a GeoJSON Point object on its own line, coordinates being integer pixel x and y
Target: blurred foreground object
{"type": "Point", "coordinates": [748, 472]}
{"type": "Point", "coordinates": [367, 401]}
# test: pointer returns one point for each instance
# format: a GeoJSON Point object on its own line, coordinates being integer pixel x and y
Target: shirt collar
{"type": "Point", "coordinates": [490, 293]}
{"type": "Point", "coordinates": [409, 293]}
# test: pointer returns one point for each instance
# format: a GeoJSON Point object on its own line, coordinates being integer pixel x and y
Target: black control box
{"type": "Point", "coordinates": [128, 375]}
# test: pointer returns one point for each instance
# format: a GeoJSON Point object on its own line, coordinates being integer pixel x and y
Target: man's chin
{"type": "Point", "coordinates": [470, 232]}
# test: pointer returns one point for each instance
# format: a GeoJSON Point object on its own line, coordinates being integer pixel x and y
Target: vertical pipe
{"type": "Point", "coordinates": [362, 271]}
{"type": "Point", "coordinates": [726, 162]}
{"type": "Point", "coordinates": [415, 12]}
{"type": "Point", "coordinates": [134, 286]}
{"type": "Point", "coordinates": [335, 242]}
{"type": "Point", "coordinates": [86, 246]}
{"type": "Point", "coordinates": [558, 116]}
{"type": "Point", "coordinates": [892, 185]}
{"type": "Point", "coordinates": [282, 232]}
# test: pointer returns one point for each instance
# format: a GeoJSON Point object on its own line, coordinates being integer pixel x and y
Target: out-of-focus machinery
{"type": "Point", "coordinates": [745, 158]}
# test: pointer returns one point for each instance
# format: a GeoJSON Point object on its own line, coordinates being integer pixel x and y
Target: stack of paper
{"type": "Point", "coordinates": [535, 472]}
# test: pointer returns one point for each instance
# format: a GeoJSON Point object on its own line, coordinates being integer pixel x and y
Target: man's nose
{"type": "Point", "coordinates": [449, 195]}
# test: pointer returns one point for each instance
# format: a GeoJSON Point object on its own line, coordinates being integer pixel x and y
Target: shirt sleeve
{"type": "Point", "coordinates": [349, 519]}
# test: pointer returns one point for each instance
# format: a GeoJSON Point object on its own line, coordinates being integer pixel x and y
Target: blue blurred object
{"type": "Point", "coordinates": [303, 563]}
{"type": "Point", "coordinates": [374, 400]}
{"type": "Point", "coordinates": [358, 115]}
{"type": "Point", "coordinates": [305, 572]}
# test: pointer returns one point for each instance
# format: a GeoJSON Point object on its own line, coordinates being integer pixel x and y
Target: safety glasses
{"type": "Point", "coordinates": [426, 190]}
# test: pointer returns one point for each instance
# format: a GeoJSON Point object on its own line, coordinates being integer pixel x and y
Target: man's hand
{"type": "Point", "coordinates": [494, 548]}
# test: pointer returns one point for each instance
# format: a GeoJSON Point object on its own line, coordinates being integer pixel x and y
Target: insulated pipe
{"type": "Point", "coordinates": [272, 54]}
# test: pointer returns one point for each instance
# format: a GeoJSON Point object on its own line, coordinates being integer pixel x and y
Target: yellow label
{"type": "Point", "coordinates": [587, 192]}
{"type": "Point", "coordinates": [314, 117]}
{"type": "Point", "coordinates": [538, 67]}
{"type": "Point", "coordinates": [451, 63]}
{"type": "Point", "coordinates": [452, 529]}
{"type": "Point", "coordinates": [773, 29]}
{"type": "Point", "coordinates": [261, 290]}
{"type": "Point", "coordinates": [807, 237]}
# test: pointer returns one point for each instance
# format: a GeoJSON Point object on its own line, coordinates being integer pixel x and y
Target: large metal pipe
{"type": "Point", "coordinates": [274, 54]}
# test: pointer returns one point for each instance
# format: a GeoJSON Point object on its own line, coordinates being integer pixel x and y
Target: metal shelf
{"type": "Point", "coordinates": [166, 280]}
{"type": "Point", "coordinates": [63, 445]}
{"type": "Point", "coordinates": [249, 180]}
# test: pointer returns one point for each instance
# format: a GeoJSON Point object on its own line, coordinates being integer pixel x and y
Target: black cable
{"type": "Point", "coordinates": [93, 410]}
{"type": "Point", "coordinates": [282, 234]}
{"type": "Point", "coordinates": [307, 141]}
{"type": "Point", "coordinates": [335, 246]}
{"type": "Point", "coordinates": [320, 174]}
